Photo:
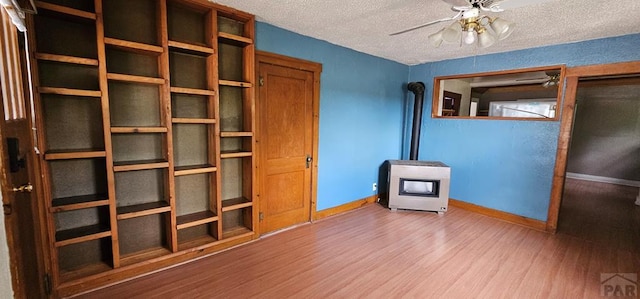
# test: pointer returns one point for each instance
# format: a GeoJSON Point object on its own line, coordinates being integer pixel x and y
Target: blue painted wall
{"type": "Point", "coordinates": [502, 164]}
{"type": "Point", "coordinates": [362, 100]}
{"type": "Point", "coordinates": [365, 115]}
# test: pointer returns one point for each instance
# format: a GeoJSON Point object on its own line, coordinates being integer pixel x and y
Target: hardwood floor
{"type": "Point", "coordinates": [374, 253]}
{"type": "Point", "coordinates": [602, 213]}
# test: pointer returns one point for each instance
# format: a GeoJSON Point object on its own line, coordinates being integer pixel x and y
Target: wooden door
{"type": "Point", "coordinates": [16, 172]}
{"type": "Point", "coordinates": [286, 144]}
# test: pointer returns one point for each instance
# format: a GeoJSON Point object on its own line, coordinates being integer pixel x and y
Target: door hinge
{"type": "Point", "coordinates": [261, 81]}
{"type": "Point", "coordinates": [261, 216]}
{"type": "Point", "coordinates": [47, 284]}
{"type": "Point", "coordinates": [7, 209]}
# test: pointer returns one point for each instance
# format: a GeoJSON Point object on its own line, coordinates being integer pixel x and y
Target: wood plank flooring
{"type": "Point", "coordinates": [602, 213]}
{"type": "Point", "coordinates": [375, 253]}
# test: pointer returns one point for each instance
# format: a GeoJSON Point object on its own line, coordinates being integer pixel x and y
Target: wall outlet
{"type": "Point", "coordinates": [374, 187]}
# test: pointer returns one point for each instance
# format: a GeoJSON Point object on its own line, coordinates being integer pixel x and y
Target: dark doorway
{"type": "Point", "coordinates": [603, 170]}
{"type": "Point", "coordinates": [451, 103]}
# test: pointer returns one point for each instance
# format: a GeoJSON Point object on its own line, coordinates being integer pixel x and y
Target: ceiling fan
{"type": "Point", "coordinates": [548, 79]}
{"type": "Point", "coordinates": [472, 25]}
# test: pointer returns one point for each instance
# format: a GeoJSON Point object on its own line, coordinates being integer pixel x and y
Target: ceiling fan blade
{"type": "Point", "coordinates": [510, 4]}
{"type": "Point", "coordinates": [427, 24]}
{"type": "Point", "coordinates": [532, 79]}
{"type": "Point", "coordinates": [457, 2]}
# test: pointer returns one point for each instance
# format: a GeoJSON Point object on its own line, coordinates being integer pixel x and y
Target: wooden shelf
{"type": "Point", "coordinates": [135, 79]}
{"type": "Point", "coordinates": [191, 48]}
{"type": "Point", "coordinates": [70, 92]}
{"type": "Point", "coordinates": [195, 219]}
{"type": "Point", "coordinates": [144, 209]}
{"type": "Point", "coordinates": [193, 91]}
{"type": "Point", "coordinates": [82, 234]}
{"type": "Point", "coordinates": [66, 10]}
{"type": "Point", "coordinates": [201, 241]}
{"type": "Point", "coordinates": [139, 165]}
{"type": "Point", "coordinates": [227, 155]}
{"type": "Point", "coordinates": [131, 130]}
{"type": "Point", "coordinates": [235, 204]}
{"type": "Point", "coordinates": [78, 202]}
{"type": "Point", "coordinates": [74, 154]}
{"type": "Point", "coordinates": [193, 121]}
{"type": "Point", "coordinates": [84, 271]}
{"type": "Point", "coordinates": [142, 256]}
{"type": "Point", "coordinates": [66, 59]}
{"type": "Point", "coordinates": [194, 169]}
{"type": "Point", "coordinates": [233, 39]}
{"type": "Point", "coordinates": [236, 232]}
{"type": "Point", "coordinates": [236, 134]}
{"type": "Point", "coordinates": [235, 83]}
{"type": "Point", "coordinates": [133, 46]}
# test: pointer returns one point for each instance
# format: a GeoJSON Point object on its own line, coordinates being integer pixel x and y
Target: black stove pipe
{"type": "Point", "coordinates": [418, 89]}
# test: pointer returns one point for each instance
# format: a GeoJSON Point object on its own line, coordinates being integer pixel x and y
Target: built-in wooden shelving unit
{"type": "Point", "coordinates": [144, 111]}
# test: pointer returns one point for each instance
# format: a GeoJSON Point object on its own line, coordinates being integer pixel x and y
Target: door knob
{"type": "Point", "coordinates": [26, 188]}
{"type": "Point", "coordinates": [309, 159]}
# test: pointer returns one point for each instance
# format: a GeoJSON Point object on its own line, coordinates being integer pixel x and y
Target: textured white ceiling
{"type": "Point", "coordinates": [365, 25]}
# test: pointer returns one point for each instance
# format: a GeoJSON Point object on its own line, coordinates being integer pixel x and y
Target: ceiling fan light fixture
{"type": "Point", "coordinates": [471, 25]}
{"type": "Point", "coordinates": [436, 39]}
{"type": "Point", "coordinates": [553, 81]}
{"type": "Point", "coordinates": [485, 38]}
{"type": "Point", "coordinates": [502, 27]}
{"type": "Point", "coordinates": [469, 37]}
{"type": "Point", "coordinates": [451, 33]}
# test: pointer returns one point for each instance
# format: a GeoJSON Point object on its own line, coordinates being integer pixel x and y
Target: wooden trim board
{"type": "Point", "coordinates": [345, 207]}
{"type": "Point", "coordinates": [129, 272]}
{"type": "Point", "coordinates": [513, 218]}
{"type": "Point", "coordinates": [602, 179]}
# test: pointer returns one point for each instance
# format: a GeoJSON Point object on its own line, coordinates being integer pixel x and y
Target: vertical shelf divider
{"type": "Point", "coordinates": [165, 106]}
{"type": "Point", "coordinates": [214, 111]}
{"type": "Point", "coordinates": [50, 229]}
{"type": "Point", "coordinates": [248, 74]}
{"type": "Point", "coordinates": [106, 124]}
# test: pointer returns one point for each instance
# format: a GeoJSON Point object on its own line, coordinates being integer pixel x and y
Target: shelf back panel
{"type": "Point", "coordinates": [134, 105]}
{"type": "Point", "coordinates": [81, 218]}
{"type": "Point", "coordinates": [186, 25]}
{"type": "Point", "coordinates": [90, 253]}
{"type": "Point", "coordinates": [81, 35]}
{"type": "Point", "coordinates": [231, 109]}
{"type": "Point", "coordinates": [70, 122]}
{"type": "Point", "coordinates": [129, 63]}
{"type": "Point", "coordinates": [141, 234]}
{"type": "Point", "coordinates": [192, 193]}
{"type": "Point", "coordinates": [134, 21]}
{"type": "Point", "coordinates": [140, 187]}
{"type": "Point", "coordinates": [66, 75]}
{"type": "Point", "coordinates": [189, 106]}
{"type": "Point", "coordinates": [190, 144]}
{"type": "Point", "coordinates": [78, 177]}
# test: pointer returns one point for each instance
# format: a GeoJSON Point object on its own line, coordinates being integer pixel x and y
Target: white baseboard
{"type": "Point", "coordinates": [602, 179]}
